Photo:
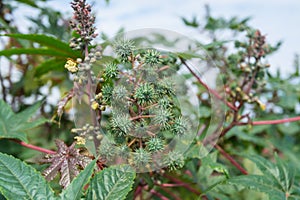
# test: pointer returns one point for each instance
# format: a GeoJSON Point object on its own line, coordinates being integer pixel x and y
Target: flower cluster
{"type": "Point", "coordinates": [84, 66]}
{"type": "Point", "coordinates": [87, 132]}
{"type": "Point", "coordinates": [248, 64]}
{"type": "Point", "coordinates": [83, 24]}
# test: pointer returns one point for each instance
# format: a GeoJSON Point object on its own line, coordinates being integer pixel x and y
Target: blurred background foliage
{"type": "Point", "coordinates": [32, 69]}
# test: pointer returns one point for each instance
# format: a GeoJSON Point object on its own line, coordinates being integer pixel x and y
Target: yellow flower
{"type": "Point", "coordinates": [95, 105]}
{"type": "Point", "coordinates": [261, 105]}
{"type": "Point", "coordinates": [79, 140]}
{"type": "Point", "coordinates": [71, 65]}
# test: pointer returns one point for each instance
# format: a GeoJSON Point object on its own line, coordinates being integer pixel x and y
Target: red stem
{"type": "Point", "coordinates": [277, 121]}
{"type": "Point", "coordinates": [215, 93]}
{"type": "Point", "coordinates": [171, 184]}
{"type": "Point", "coordinates": [158, 194]}
{"type": "Point", "coordinates": [138, 191]}
{"type": "Point", "coordinates": [231, 159]}
{"type": "Point", "coordinates": [171, 193]}
{"type": "Point", "coordinates": [183, 184]}
{"type": "Point", "coordinates": [36, 148]}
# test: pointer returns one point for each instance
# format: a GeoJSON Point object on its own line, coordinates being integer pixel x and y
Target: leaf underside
{"type": "Point", "coordinates": [68, 161]}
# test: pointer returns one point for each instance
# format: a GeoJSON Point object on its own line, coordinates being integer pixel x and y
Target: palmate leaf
{"type": "Point", "coordinates": [74, 190]}
{"type": "Point", "coordinates": [14, 125]}
{"type": "Point", "coordinates": [277, 180]}
{"type": "Point", "coordinates": [20, 181]}
{"type": "Point", "coordinates": [67, 161]}
{"type": "Point", "coordinates": [112, 183]}
{"type": "Point", "coordinates": [259, 183]}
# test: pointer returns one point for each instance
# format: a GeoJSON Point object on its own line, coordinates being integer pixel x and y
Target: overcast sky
{"type": "Point", "coordinates": [278, 19]}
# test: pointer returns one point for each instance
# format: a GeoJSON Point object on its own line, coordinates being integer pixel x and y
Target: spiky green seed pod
{"type": "Point", "coordinates": [111, 70]}
{"type": "Point", "coordinates": [121, 124]}
{"type": "Point", "coordinates": [120, 92]}
{"type": "Point", "coordinates": [123, 152]}
{"type": "Point", "coordinates": [152, 57]}
{"type": "Point", "coordinates": [141, 158]}
{"type": "Point", "coordinates": [155, 144]}
{"type": "Point", "coordinates": [107, 92]}
{"type": "Point", "coordinates": [145, 94]}
{"type": "Point", "coordinates": [164, 103]}
{"type": "Point", "coordinates": [124, 49]}
{"type": "Point", "coordinates": [174, 160]}
{"type": "Point", "coordinates": [140, 129]}
{"type": "Point", "coordinates": [163, 117]}
{"type": "Point", "coordinates": [107, 149]}
{"type": "Point", "coordinates": [180, 126]}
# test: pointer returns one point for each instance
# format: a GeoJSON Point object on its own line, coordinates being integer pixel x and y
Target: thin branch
{"type": "Point", "coordinates": [277, 121]}
{"type": "Point", "coordinates": [201, 129]}
{"type": "Point", "coordinates": [36, 148]}
{"type": "Point", "coordinates": [231, 159]}
{"type": "Point", "coordinates": [163, 68]}
{"type": "Point", "coordinates": [158, 194]}
{"type": "Point", "coordinates": [170, 184]}
{"type": "Point", "coordinates": [141, 116]}
{"type": "Point", "coordinates": [185, 185]}
{"type": "Point", "coordinates": [171, 193]}
{"type": "Point", "coordinates": [138, 191]}
{"type": "Point", "coordinates": [215, 93]}
{"type": "Point", "coordinates": [132, 141]}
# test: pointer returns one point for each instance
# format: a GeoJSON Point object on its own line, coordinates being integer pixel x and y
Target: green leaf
{"type": "Point", "coordinates": [2, 197]}
{"type": "Point", "coordinates": [258, 183]}
{"type": "Point", "coordinates": [289, 100]}
{"type": "Point", "coordinates": [277, 180]}
{"type": "Point", "coordinates": [286, 174]}
{"type": "Point", "coordinates": [74, 190]}
{"type": "Point", "coordinates": [239, 132]}
{"type": "Point", "coordinates": [289, 129]}
{"type": "Point", "coordinates": [49, 42]}
{"type": "Point", "coordinates": [56, 64]}
{"type": "Point", "coordinates": [33, 51]}
{"type": "Point", "coordinates": [28, 2]}
{"type": "Point", "coordinates": [15, 125]}
{"type": "Point", "coordinates": [193, 23]}
{"type": "Point", "coordinates": [188, 55]}
{"type": "Point", "coordinates": [20, 181]}
{"type": "Point", "coordinates": [112, 183]}
{"type": "Point", "coordinates": [215, 44]}
{"type": "Point", "coordinates": [267, 168]}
